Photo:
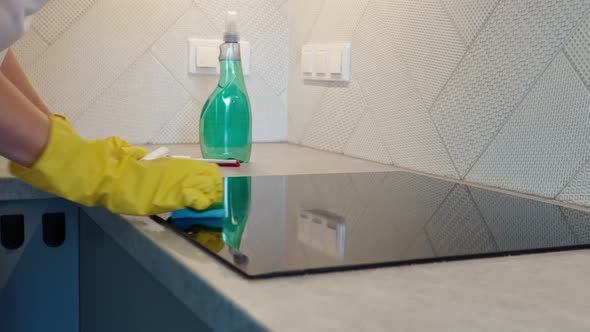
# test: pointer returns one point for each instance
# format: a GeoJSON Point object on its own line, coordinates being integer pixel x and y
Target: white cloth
{"type": "Point", "coordinates": [2, 55]}
{"type": "Point", "coordinates": [14, 18]}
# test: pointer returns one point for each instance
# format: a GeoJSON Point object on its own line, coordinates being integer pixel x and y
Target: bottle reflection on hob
{"type": "Point", "coordinates": [237, 205]}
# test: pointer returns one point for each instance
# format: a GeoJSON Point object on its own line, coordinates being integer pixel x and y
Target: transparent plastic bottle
{"type": "Point", "coordinates": [237, 204]}
{"type": "Point", "coordinates": [226, 119]}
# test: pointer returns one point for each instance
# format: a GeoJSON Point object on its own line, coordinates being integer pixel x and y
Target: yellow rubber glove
{"type": "Point", "coordinates": [107, 173]}
{"type": "Point", "coordinates": [119, 145]}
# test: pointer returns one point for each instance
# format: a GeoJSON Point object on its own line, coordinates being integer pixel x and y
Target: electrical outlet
{"type": "Point", "coordinates": [326, 62]}
{"type": "Point", "coordinates": [203, 56]}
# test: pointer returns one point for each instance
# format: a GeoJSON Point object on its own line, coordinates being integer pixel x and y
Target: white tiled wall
{"type": "Point", "coordinates": [119, 67]}
{"type": "Point", "coordinates": [491, 91]}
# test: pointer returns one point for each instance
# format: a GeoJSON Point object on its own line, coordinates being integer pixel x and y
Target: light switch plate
{"type": "Point", "coordinates": [203, 56]}
{"type": "Point", "coordinates": [326, 62]}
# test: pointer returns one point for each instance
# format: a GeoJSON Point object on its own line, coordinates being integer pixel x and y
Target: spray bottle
{"type": "Point", "coordinates": [226, 119]}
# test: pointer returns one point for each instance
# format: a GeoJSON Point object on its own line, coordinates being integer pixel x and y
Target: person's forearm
{"type": "Point", "coordinates": [24, 130]}
{"type": "Point", "coordinates": [15, 74]}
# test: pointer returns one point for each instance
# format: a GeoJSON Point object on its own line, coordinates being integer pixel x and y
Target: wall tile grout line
{"type": "Point", "coordinates": [431, 107]}
{"type": "Point", "coordinates": [567, 185]}
{"type": "Point", "coordinates": [468, 48]}
{"type": "Point", "coordinates": [380, 136]}
{"type": "Point", "coordinates": [33, 28]}
{"type": "Point", "coordinates": [49, 44]}
{"type": "Point", "coordinates": [444, 144]}
{"type": "Point", "coordinates": [367, 110]}
{"type": "Point", "coordinates": [446, 9]}
{"type": "Point", "coordinates": [155, 56]}
{"type": "Point", "coordinates": [114, 81]}
{"type": "Point", "coordinates": [187, 104]}
{"type": "Point", "coordinates": [417, 91]}
{"type": "Point", "coordinates": [522, 100]}
{"type": "Point", "coordinates": [190, 100]}
{"type": "Point", "coordinates": [583, 168]}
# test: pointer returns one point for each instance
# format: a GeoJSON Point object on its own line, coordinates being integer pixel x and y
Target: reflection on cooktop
{"type": "Point", "coordinates": [288, 225]}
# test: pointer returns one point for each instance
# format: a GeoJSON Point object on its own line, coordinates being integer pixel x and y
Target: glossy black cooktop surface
{"type": "Point", "coordinates": [289, 225]}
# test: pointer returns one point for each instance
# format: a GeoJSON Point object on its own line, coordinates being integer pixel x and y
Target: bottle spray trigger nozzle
{"type": "Point", "coordinates": [232, 20]}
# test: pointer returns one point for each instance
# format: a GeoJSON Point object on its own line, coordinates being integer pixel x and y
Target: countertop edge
{"type": "Point", "coordinates": [210, 305]}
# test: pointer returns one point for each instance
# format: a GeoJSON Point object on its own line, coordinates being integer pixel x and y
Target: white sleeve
{"type": "Point", "coordinates": [12, 19]}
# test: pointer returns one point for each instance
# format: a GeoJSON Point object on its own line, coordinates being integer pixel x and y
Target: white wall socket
{"type": "Point", "coordinates": [326, 62]}
{"type": "Point", "coordinates": [203, 56]}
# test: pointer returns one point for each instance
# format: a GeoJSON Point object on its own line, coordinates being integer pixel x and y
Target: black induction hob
{"type": "Point", "coordinates": [291, 225]}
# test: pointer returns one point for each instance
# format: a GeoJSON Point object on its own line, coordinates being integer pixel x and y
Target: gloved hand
{"type": "Point", "coordinates": [107, 173]}
{"type": "Point", "coordinates": [118, 145]}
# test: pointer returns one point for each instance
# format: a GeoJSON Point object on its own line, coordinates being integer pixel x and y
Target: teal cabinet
{"type": "Point", "coordinates": [39, 266]}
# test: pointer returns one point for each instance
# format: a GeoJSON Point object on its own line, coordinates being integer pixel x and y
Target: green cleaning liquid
{"type": "Point", "coordinates": [226, 119]}
{"type": "Point", "coordinates": [237, 204]}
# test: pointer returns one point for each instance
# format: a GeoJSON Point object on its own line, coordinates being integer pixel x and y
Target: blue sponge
{"type": "Point", "coordinates": [215, 212]}
{"type": "Point", "coordinates": [211, 218]}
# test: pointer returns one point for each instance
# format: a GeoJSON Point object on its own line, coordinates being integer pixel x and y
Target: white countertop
{"type": "Point", "coordinates": [545, 292]}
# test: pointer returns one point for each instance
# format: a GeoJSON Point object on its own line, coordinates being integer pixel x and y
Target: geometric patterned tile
{"type": "Point", "coordinates": [545, 142]}
{"type": "Point", "coordinates": [402, 121]}
{"type": "Point", "coordinates": [304, 101]}
{"type": "Point", "coordinates": [579, 222]}
{"type": "Point", "coordinates": [519, 223]}
{"type": "Point", "coordinates": [302, 17]}
{"type": "Point", "coordinates": [270, 52]}
{"type": "Point", "coordinates": [57, 16]}
{"type": "Point", "coordinates": [340, 112]}
{"type": "Point", "coordinates": [269, 116]}
{"type": "Point", "coordinates": [98, 48]}
{"type": "Point", "coordinates": [304, 98]}
{"type": "Point", "coordinates": [512, 50]}
{"type": "Point", "coordinates": [171, 50]}
{"type": "Point", "coordinates": [337, 20]}
{"type": "Point", "coordinates": [427, 40]}
{"type": "Point", "coordinates": [578, 191]}
{"type": "Point", "coordinates": [137, 106]}
{"type": "Point", "coordinates": [29, 47]}
{"type": "Point", "coordinates": [265, 27]}
{"type": "Point", "coordinates": [457, 227]}
{"type": "Point", "coordinates": [577, 48]}
{"type": "Point", "coordinates": [470, 15]}
{"type": "Point", "coordinates": [253, 14]}
{"type": "Point", "coordinates": [365, 142]}
{"type": "Point", "coordinates": [183, 127]}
